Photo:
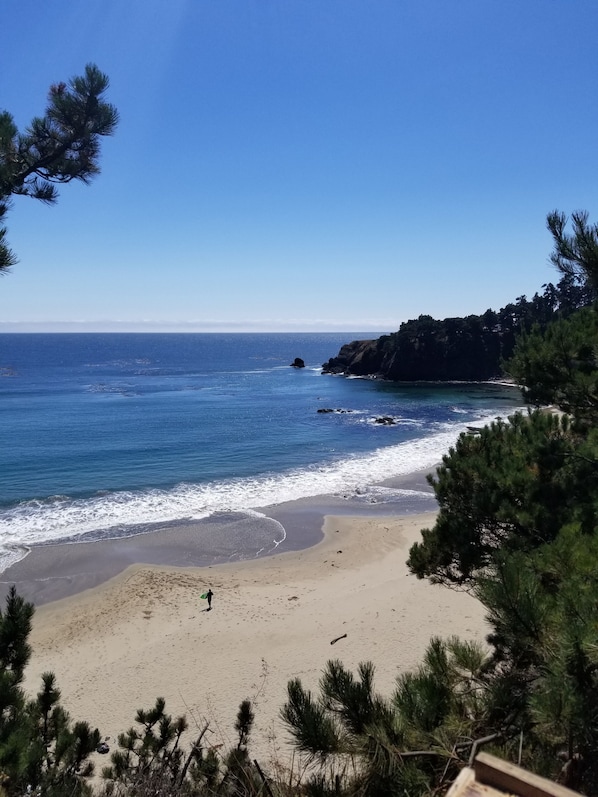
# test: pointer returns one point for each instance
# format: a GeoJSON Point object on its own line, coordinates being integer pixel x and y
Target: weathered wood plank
{"type": "Point", "coordinates": [515, 780]}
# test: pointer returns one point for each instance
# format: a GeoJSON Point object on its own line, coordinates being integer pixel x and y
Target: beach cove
{"type": "Point", "coordinates": [141, 470]}
{"type": "Point", "coordinates": [144, 633]}
{"type": "Point", "coordinates": [107, 436]}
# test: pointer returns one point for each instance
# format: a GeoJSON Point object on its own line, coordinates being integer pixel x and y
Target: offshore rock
{"type": "Point", "coordinates": [298, 363]}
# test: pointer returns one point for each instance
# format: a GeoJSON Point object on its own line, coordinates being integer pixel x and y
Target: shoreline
{"type": "Point", "coordinates": [145, 633]}
{"type": "Point", "coordinates": [51, 571]}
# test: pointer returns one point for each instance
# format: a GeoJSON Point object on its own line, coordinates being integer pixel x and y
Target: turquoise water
{"type": "Point", "coordinates": [108, 434]}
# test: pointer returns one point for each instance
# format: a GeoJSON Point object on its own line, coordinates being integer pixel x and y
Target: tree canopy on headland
{"type": "Point", "coordinates": [475, 348]}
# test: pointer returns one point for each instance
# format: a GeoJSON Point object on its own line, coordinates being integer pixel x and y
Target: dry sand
{"type": "Point", "coordinates": [146, 633]}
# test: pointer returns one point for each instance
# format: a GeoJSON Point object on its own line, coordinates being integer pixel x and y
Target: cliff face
{"type": "Point", "coordinates": [428, 350]}
{"type": "Point", "coordinates": [359, 358]}
{"type": "Point", "coordinates": [411, 364]}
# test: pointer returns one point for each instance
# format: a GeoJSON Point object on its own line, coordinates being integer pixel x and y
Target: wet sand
{"type": "Point", "coordinates": [54, 571]}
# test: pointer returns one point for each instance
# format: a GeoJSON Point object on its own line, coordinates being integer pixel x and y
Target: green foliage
{"type": "Point", "coordinates": [410, 744]}
{"type": "Point", "coordinates": [152, 753]}
{"type": "Point", "coordinates": [542, 608]}
{"type": "Point", "coordinates": [61, 146]}
{"type": "Point", "coordinates": [559, 365]}
{"type": "Point", "coordinates": [575, 255]}
{"type": "Point", "coordinates": [511, 487]}
{"type": "Point", "coordinates": [15, 626]}
{"type": "Point", "coordinates": [316, 732]}
{"type": "Point", "coordinates": [153, 758]}
{"type": "Point", "coordinates": [40, 748]}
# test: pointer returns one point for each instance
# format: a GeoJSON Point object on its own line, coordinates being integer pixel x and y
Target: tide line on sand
{"type": "Point", "coordinates": [146, 632]}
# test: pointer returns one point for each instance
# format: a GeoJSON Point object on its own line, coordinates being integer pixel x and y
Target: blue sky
{"type": "Point", "coordinates": [303, 164]}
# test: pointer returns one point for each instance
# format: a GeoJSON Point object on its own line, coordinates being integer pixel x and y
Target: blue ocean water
{"type": "Point", "coordinates": [108, 434]}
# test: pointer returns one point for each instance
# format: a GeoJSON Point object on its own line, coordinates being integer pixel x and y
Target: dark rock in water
{"type": "Point", "coordinates": [329, 409]}
{"type": "Point", "coordinates": [298, 363]}
{"type": "Point", "coordinates": [385, 420]}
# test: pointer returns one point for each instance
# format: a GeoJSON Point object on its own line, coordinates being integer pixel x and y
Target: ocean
{"type": "Point", "coordinates": [107, 435]}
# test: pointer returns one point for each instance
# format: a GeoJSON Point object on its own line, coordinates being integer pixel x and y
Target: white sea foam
{"type": "Point", "coordinates": [60, 518]}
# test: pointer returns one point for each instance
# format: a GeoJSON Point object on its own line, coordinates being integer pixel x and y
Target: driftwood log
{"type": "Point", "coordinates": [337, 639]}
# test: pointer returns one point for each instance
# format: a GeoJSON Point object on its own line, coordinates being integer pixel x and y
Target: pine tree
{"type": "Point", "coordinates": [575, 255]}
{"type": "Point", "coordinates": [512, 486]}
{"type": "Point", "coordinates": [61, 146]}
{"type": "Point", "coordinates": [153, 759]}
{"type": "Point", "coordinates": [559, 365]}
{"type": "Point", "coordinates": [40, 748]}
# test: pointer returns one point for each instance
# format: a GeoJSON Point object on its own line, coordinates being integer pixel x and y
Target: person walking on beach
{"type": "Point", "coordinates": [209, 597]}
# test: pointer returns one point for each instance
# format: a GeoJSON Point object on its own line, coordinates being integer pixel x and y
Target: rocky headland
{"type": "Point", "coordinates": [470, 349]}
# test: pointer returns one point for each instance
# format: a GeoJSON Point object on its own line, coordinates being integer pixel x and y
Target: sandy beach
{"type": "Point", "coordinates": [146, 633]}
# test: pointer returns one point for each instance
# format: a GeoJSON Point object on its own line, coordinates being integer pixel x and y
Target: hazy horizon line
{"type": "Point", "coordinates": [9, 327]}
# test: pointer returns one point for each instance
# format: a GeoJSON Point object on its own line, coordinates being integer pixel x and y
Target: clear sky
{"type": "Point", "coordinates": [303, 164]}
